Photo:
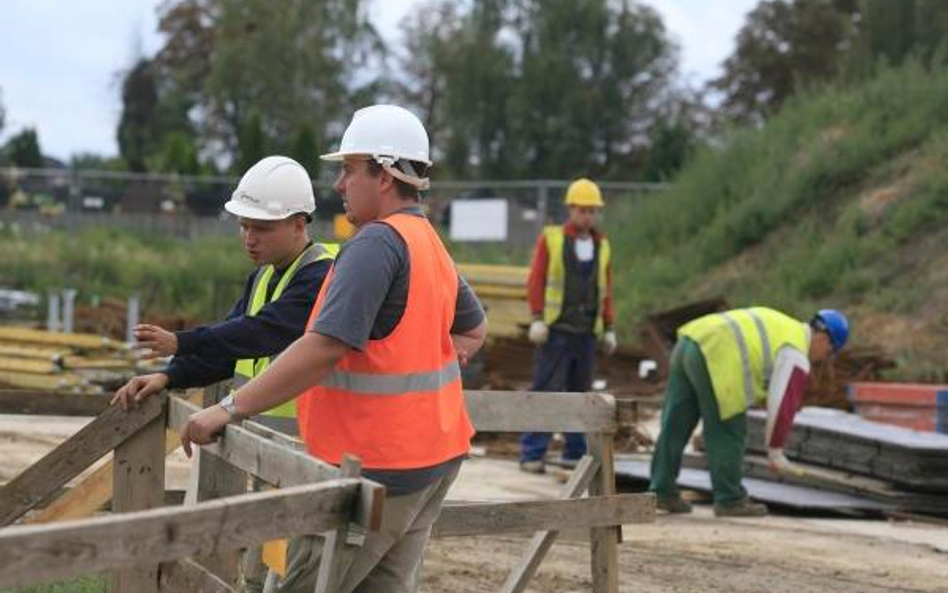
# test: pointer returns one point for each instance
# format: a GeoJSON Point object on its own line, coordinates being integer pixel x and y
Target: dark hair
{"type": "Point", "coordinates": [405, 190]}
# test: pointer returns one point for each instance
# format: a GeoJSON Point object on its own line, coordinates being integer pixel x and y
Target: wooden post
{"type": "Point", "coordinates": [542, 541]}
{"type": "Point", "coordinates": [139, 484]}
{"type": "Point", "coordinates": [212, 478]}
{"type": "Point", "coordinates": [337, 554]}
{"type": "Point", "coordinates": [604, 541]}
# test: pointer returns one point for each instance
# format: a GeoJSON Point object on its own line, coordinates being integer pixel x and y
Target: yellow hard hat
{"type": "Point", "coordinates": [583, 192]}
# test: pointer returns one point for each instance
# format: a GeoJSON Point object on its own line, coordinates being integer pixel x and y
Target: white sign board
{"type": "Point", "coordinates": [479, 220]}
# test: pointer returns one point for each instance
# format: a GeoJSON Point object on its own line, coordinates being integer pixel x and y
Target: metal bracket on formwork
{"type": "Point", "coordinates": [69, 301]}
{"type": "Point", "coordinates": [52, 312]}
{"type": "Point", "coordinates": [131, 317]}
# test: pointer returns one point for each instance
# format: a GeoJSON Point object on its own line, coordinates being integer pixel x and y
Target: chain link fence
{"type": "Point", "coordinates": [513, 212]}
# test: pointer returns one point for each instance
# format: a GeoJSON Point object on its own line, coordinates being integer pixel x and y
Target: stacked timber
{"type": "Point", "coordinates": [503, 292]}
{"type": "Point", "coordinates": [41, 360]}
{"type": "Point", "coordinates": [838, 440]}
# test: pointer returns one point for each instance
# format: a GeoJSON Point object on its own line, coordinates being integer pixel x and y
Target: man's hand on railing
{"type": "Point", "coordinates": [138, 389]}
{"type": "Point", "coordinates": [204, 427]}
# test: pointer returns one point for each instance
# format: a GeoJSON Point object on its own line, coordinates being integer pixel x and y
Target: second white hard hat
{"type": "Point", "coordinates": [274, 188]}
{"type": "Point", "coordinates": [386, 134]}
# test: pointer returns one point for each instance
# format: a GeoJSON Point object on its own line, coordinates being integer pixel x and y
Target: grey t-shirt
{"type": "Point", "coordinates": [366, 300]}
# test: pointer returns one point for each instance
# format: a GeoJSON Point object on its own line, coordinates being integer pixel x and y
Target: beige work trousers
{"type": "Point", "coordinates": [390, 559]}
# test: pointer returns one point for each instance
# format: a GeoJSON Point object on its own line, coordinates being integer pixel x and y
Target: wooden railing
{"type": "Point", "coordinates": [147, 547]}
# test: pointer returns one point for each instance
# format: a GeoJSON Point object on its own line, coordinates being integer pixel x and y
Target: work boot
{"type": "Point", "coordinates": [533, 467]}
{"type": "Point", "coordinates": [674, 505]}
{"type": "Point", "coordinates": [741, 508]}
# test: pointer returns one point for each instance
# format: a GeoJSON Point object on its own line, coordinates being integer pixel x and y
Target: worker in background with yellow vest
{"type": "Point", "coordinates": [723, 364]}
{"type": "Point", "coordinates": [378, 369]}
{"type": "Point", "coordinates": [569, 291]}
{"type": "Point", "coordinates": [274, 202]}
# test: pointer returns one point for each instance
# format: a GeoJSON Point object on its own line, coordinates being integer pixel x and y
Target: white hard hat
{"type": "Point", "coordinates": [273, 189]}
{"type": "Point", "coordinates": [387, 134]}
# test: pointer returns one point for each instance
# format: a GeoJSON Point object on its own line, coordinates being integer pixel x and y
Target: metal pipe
{"type": "Point", "coordinates": [69, 301]}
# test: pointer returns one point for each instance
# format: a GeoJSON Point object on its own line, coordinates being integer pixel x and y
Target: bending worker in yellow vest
{"type": "Point", "coordinates": [723, 364]}
{"type": "Point", "coordinates": [570, 296]}
{"type": "Point", "coordinates": [274, 202]}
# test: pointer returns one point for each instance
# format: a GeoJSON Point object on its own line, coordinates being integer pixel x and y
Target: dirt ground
{"type": "Point", "coordinates": [696, 553]}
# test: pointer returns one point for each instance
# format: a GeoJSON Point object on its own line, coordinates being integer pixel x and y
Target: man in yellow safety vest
{"type": "Point", "coordinates": [570, 296]}
{"type": "Point", "coordinates": [274, 202]}
{"type": "Point", "coordinates": [723, 364]}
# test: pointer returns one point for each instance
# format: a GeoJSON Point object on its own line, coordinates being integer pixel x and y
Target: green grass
{"type": "Point", "coordinates": [171, 275]}
{"type": "Point", "coordinates": [93, 584]}
{"type": "Point", "coordinates": [780, 205]}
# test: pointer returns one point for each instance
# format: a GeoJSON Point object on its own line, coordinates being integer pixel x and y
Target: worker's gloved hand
{"type": "Point", "coordinates": [539, 332]}
{"type": "Point", "coordinates": [609, 342]}
{"type": "Point", "coordinates": [780, 464]}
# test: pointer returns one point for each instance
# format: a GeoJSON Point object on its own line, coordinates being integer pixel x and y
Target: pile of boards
{"type": "Point", "coordinates": [42, 360]}
{"type": "Point", "coordinates": [851, 465]}
{"type": "Point", "coordinates": [900, 468]}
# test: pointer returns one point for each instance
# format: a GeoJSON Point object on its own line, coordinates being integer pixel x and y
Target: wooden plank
{"type": "Point", "coordinates": [337, 554]}
{"type": "Point", "coordinates": [68, 460]}
{"type": "Point", "coordinates": [543, 540]}
{"type": "Point", "coordinates": [518, 411]}
{"type": "Point", "coordinates": [139, 484]}
{"type": "Point", "coordinates": [187, 576]}
{"type": "Point", "coordinates": [465, 519]}
{"type": "Point", "coordinates": [211, 478]}
{"type": "Point", "coordinates": [270, 461]}
{"type": "Point", "coordinates": [62, 381]}
{"type": "Point", "coordinates": [44, 338]}
{"type": "Point", "coordinates": [604, 541]}
{"type": "Point", "coordinates": [42, 553]}
{"type": "Point", "coordinates": [47, 403]}
{"type": "Point", "coordinates": [17, 350]}
{"type": "Point", "coordinates": [95, 490]}
{"type": "Point", "coordinates": [91, 494]}
{"type": "Point", "coordinates": [23, 365]}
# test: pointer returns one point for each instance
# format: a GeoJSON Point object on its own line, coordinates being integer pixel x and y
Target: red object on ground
{"type": "Point", "coordinates": [912, 405]}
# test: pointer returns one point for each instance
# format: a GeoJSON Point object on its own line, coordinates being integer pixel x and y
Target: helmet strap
{"type": "Point", "coordinates": [395, 168]}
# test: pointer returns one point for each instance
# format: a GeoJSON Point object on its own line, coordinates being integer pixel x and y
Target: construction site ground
{"type": "Point", "coordinates": [681, 554]}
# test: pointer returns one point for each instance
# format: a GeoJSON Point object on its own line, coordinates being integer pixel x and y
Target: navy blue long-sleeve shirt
{"type": "Point", "coordinates": [207, 354]}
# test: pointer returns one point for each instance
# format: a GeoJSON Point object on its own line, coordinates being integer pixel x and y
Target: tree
{"type": "Point", "coordinates": [23, 150]}
{"type": "Point", "coordinates": [592, 72]}
{"type": "Point", "coordinates": [784, 46]}
{"type": "Point", "coordinates": [288, 62]}
{"type": "Point", "coordinates": [895, 30]}
{"type": "Point", "coordinates": [524, 88]}
{"type": "Point", "coordinates": [304, 148]}
{"type": "Point", "coordinates": [3, 113]}
{"type": "Point", "coordinates": [250, 143]}
{"type": "Point", "coordinates": [137, 132]}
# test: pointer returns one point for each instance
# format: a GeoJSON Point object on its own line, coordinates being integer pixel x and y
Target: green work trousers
{"type": "Point", "coordinates": [689, 397]}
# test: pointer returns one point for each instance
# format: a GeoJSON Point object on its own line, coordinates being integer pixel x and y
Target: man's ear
{"type": "Point", "coordinates": [386, 180]}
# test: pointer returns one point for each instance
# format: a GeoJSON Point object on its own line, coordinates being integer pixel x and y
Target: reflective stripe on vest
{"type": "Point", "coordinates": [371, 384]}
{"type": "Point", "coordinates": [248, 368]}
{"type": "Point", "coordinates": [397, 403]}
{"type": "Point", "coordinates": [739, 349]}
{"type": "Point", "coordinates": [556, 277]}
{"type": "Point", "coordinates": [749, 394]}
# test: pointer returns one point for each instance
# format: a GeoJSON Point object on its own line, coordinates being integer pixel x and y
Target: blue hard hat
{"type": "Point", "coordinates": [835, 324]}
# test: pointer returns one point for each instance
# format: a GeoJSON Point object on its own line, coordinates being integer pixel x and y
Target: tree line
{"type": "Point", "coordinates": [507, 88]}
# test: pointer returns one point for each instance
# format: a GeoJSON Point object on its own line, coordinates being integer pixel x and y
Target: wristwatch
{"type": "Point", "coordinates": [230, 406]}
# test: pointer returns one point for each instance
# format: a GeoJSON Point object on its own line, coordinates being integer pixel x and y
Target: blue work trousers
{"type": "Point", "coordinates": [564, 363]}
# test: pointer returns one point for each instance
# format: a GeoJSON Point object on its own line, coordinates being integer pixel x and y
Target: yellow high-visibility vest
{"type": "Point", "coordinates": [739, 348]}
{"type": "Point", "coordinates": [248, 368]}
{"type": "Point", "coordinates": [556, 277]}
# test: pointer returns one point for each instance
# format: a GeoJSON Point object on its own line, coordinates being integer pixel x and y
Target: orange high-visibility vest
{"type": "Point", "coordinates": [398, 404]}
